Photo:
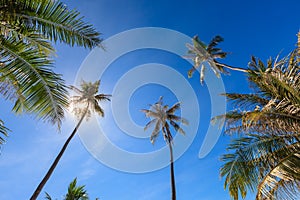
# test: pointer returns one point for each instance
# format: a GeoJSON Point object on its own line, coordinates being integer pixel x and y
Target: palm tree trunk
{"type": "Point", "coordinates": [58, 157]}
{"type": "Point", "coordinates": [233, 68]}
{"type": "Point", "coordinates": [173, 188]}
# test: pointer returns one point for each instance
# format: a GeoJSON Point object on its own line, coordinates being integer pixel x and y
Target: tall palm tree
{"type": "Point", "coordinates": [27, 28]}
{"type": "Point", "coordinates": [74, 192]}
{"type": "Point", "coordinates": [162, 116]}
{"type": "Point", "coordinates": [266, 158]}
{"type": "Point", "coordinates": [87, 102]}
{"type": "Point", "coordinates": [203, 55]}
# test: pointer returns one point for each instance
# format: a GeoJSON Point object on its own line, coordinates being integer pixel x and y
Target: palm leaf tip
{"type": "Point", "coordinates": [190, 73]}
{"type": "Point", "coordinates": [4, 131]}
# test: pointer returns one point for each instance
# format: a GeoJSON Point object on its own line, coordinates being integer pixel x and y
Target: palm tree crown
{"type": "Point", "coordinates": [163, 115]}
{"type": "Point", "coordinates": [267, 157]}
{"type": "Point", "coordinates": [88, 99]}
{"type": "Point", "coordinates": [74, 192]}
{"type": "Point", "coordinates": [202, 54]}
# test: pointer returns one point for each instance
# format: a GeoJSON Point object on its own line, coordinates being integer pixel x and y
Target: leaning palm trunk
{"type": "Point", "coordinates": [58, 157]}
{"type": "Point", "coordinates": [233, 68]}
{"type": "Point", "coordinates": [173, 188]}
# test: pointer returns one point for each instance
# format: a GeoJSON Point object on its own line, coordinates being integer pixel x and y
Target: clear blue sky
{"type": "Point", "coordinates": [260, 28]}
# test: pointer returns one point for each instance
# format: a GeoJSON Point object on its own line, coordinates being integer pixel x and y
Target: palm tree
{"type": "Point", "coordinates": [87, 102]}
{"type": "Point", "coordinates": [27, 28]}
{"type": "Point", "coordinates": [163, 116]}
{"type": "Point", "coordinates": [202, 54]}
{"type": "Point", "coordinates": [74, 192]}
{"type": "Point", "coordinates": [266, 158]}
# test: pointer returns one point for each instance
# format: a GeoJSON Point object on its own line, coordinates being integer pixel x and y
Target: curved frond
{"type": "Point", "coordinates": [256, 156]}
{"type": "Point", "coordinates": [150, 113]}
{"type": "Point", "coordinates": [4, 131]}
{"type": "Point", "coordinates": [150, 123]}
{"type": "Point", "coordinates": [177, 127]}
{"type": "Point", "coordinates": [174, 108]}
{"type": "Point", "coordinates": [155, 131]}
{"type": "Point", "coordinates": [48, 197]}
{"type": "Point", "coordinates": [98, 109]}
{"type": "Point", "coordinates": [101, 97]}
{"type": "Point", "coordinates": [76, 192]}
{"type": "Point", "coordinates": [178, 119]}
{"type": "Point", "coordinates": [52, 19]}
{"type": "Point", "coordinates": [30, 72]}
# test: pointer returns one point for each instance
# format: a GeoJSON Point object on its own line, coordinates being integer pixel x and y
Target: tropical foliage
{"type": "Point", "coordinates": [266, 158]}
{"type": "Point", "coordinates": [74, 192]}
{"type": "Point", "coordinates": [203, 55]}
{"type": "Point", "coordinates": [162, 117]}
{"type": "Point", "coordinates": [86, 102]}
{"type": "Point", "coordinates": [3, 131]}
{"type": "Point", "coordinates": [27, 28]}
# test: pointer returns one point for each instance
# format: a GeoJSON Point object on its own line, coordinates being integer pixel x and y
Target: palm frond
{"type": "Point", "coordinates": [52, 19]}
{"type": "Point", "coordinates": [167, 133]}
{"type": "Point", "coordinates": [177, 127]}
{"type": "Point", "coordinates": [27, 35]}
{"type": "Point", "coordinates": [149, 113]}
{"type": "Point", "coordinates": [246, 100]}
{"type": "Point", "coordinates": [252, 153]}
{"type": "Point", "coordinates": [101, 97]}
{"type": "Point", "coordinates": [48, 197]}
{"type": "Point", "coordinates": [75, 89]}
{"type": "Point", "coordinates": [178, 119]}
{"type": "Point", "coordinates": [287, 170]}
{"type": "Point", "coordinates": [98, 109]}
{"type": "Point", "coordinates": [4, 131]}
{"type": "Point", "coordinates": [150, 123]}
{"type": "Point", "coordinates": [175, 107]}
{"type": "Point", "coordinates": [155, 131]}
{"type": "Point", "coordinates": [30, 71]}
{"type": "Point", "coordinates": [76, 192]}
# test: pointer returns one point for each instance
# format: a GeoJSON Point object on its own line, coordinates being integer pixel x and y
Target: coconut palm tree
{"type": "Point", "coordinates": [86, 102]}
{"type": "Point", "coordinates": [27, 28]}
{"type": "Point", "coordinates": [163, 116]}
{"type": "Point", "coordinates": [203, 55]}
{"type": "Point", "coordinates": [266, 158]}
{"type": "Point", "coordinates": [74, 192]}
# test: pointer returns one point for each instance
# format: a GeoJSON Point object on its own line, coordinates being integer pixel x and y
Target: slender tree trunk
{"type": "Point", "coordinates": [298, 47]}
{"type": "Point", "coordinates": [173, 188]}
{"type": "Point", "coordinates": [233, 68]}
{"type": "Point", "coordinates": [58, 157]}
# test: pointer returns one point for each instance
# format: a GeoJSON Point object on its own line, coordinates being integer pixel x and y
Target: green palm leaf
{"type": "Point", "coordinates": [52, 19]}
{"type": "Point", "coordinates": [266, 158]}
{"type": "Point", "coordinates": [30, 71]}
{"type": "Point", "coordinates": [4, 131]}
